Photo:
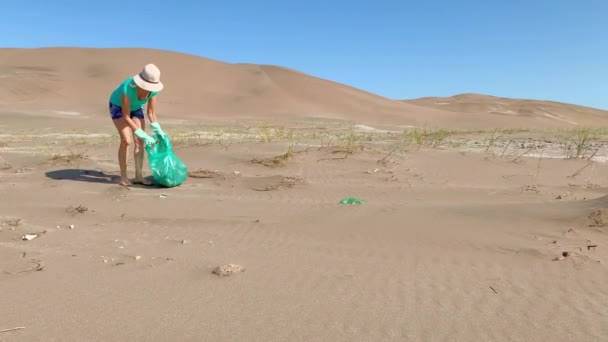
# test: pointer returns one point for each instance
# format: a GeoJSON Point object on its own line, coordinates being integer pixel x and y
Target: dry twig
{"type": "Point", "coordinates": [11, 329]}
{"type": "Point", "coordinates": [521, 155]}
{"type": "Point", "coordinates": [580, 170]}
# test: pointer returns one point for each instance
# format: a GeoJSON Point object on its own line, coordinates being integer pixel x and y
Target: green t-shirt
{"type": "Point", "coordinates": [129, 87]}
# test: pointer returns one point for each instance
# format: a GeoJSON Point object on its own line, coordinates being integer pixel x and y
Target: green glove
{"type": "Point", "coordinates": [156, 128]}
{"type": "Point", "coordinates": [145, 137]}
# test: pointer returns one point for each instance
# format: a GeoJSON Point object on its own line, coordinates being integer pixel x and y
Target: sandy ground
{"type": "Point", "coordinates": [452, 243]}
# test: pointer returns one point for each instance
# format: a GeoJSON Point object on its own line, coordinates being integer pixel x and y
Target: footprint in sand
{"type": "Point", "coordinates": [117, 192]}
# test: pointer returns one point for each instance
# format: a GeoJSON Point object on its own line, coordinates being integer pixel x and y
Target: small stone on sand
{"type": "Point", "coordinates": [228, 270]}
{"type": "Point", "coordinates": [138, 257]}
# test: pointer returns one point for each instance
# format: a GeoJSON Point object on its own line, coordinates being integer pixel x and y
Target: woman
{"type": "Point", "coordinates": [126, 109]}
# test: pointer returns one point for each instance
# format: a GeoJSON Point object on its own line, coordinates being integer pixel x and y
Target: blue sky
{"type": "Point", "coordinates": [541, 49]}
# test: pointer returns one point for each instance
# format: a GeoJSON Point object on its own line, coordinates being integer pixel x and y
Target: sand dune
{"type": "Point", "coordinates": [76, 80]}
{"type": "Point", "coordinates": [81, 79]}
{"type": "Point", "coordinates": [521, 110]}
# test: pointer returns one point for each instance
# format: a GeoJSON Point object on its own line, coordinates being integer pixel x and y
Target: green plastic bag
{"type": "Point", "coordinates": [167, 169]}
{"type": "Point", "coordinates": [351, 200]}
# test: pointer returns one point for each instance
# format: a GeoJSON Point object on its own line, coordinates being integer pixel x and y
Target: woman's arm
{"type": "Point", "coordinates": [126, 112]}
{"type": "Point", "coordinates": [151, 109]}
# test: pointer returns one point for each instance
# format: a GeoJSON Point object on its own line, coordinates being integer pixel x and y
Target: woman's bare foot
{"type": "Point", "coordinates": [125, 182]}
{"type": "Point", "coordinates": [142, 181]}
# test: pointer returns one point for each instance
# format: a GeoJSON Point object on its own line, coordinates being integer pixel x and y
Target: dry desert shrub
{"type": "Point", "coordinates": [421, 137]}
{"type": "Point", "coordinates": [270, 134]}
{"type": "Point", "coordinates": [277, 161]}
{"type": "Point", "coordinates": [579, 142]}
{"type": "Point", "coordinates": [68, 157]}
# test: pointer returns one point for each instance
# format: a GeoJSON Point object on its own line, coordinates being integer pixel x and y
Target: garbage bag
{"type": "Point", "coordinates": [167, 169]}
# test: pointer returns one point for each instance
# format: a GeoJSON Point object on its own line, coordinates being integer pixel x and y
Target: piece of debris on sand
{"type": "Point", "coordinates": [13, 222]}
{"type": "Point", "coordinates": [270, 162]}
{"type": "Point", "coordinates": [531, 188]}
{"type": "Point", "coordinates": [228, 270]}
{"type": "Point", "coordinates": [598, 218]}
{"type": "Point", "coordinates": [77, 210]}
{"type": "Point", "coordinates": [28, 237]}
{"type": "Point", "coordinates": [565, 254]}
{"type": "Point", "coordinates": [37, 266]}
{"type": "Point", "coordinates": [12, 329]}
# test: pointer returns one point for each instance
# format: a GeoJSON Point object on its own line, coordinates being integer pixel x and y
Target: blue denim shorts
{"type": "Point", "coordinates": [116, 112]}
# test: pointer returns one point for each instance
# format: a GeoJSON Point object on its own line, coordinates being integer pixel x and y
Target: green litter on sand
{"type": "Point", "coordinates": [351, 200]}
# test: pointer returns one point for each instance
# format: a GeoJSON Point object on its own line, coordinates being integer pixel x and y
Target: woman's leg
{"type": "Point", "coordinates": [138, 152]}
{"type": "Point", "coordinates": [125, 133]}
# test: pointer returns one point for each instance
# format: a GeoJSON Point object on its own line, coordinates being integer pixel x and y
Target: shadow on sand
{"type": "Point", "coordinates": [92, 176]}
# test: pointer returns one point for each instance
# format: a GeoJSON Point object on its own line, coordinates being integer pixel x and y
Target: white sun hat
{"type": "Point", "coordinates": [149, 78]}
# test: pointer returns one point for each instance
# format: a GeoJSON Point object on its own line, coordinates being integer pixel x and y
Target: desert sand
{"type": "Point", "coordinates": [475, 226]}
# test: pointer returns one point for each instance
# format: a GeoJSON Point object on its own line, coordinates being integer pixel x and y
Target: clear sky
{"type": "Point", "coordinates": [541, 49]}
